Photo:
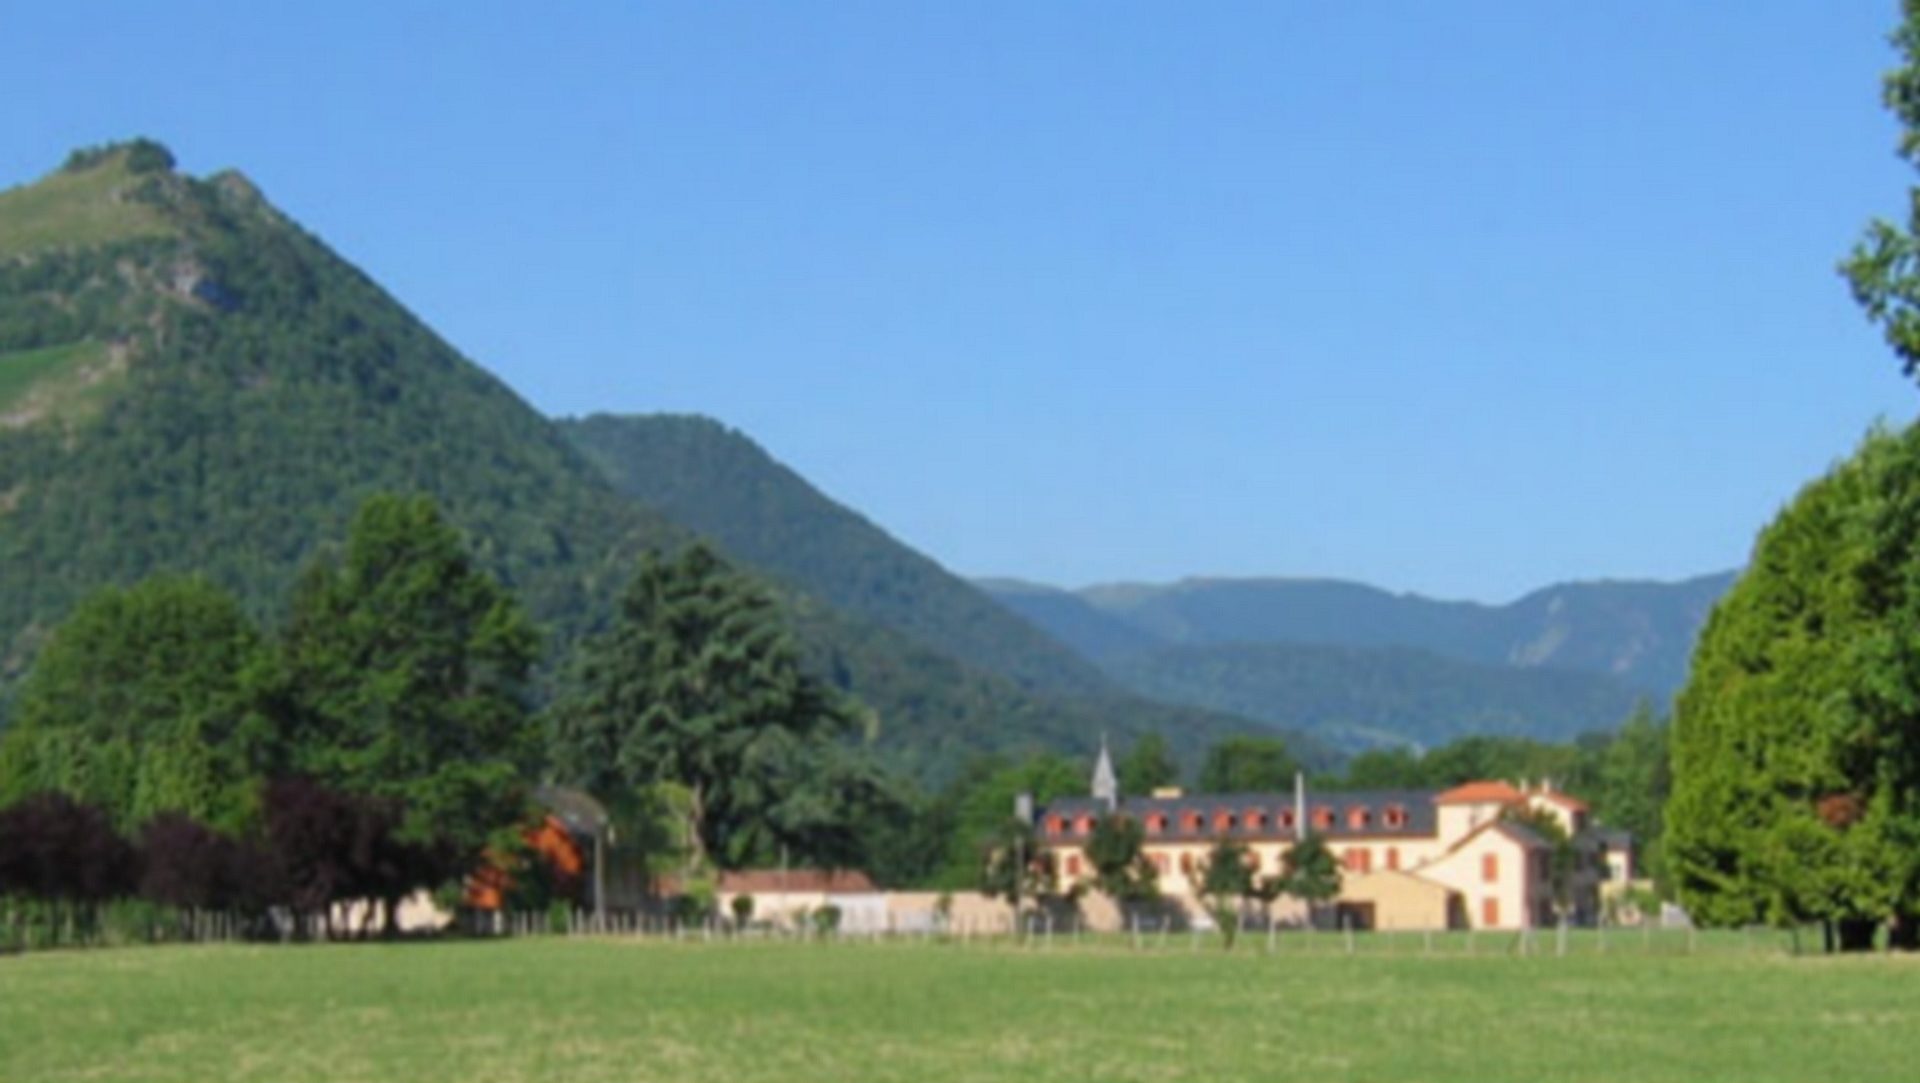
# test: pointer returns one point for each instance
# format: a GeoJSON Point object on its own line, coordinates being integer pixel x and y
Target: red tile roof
{"type": "Point", "coordinates": [1481, 793]}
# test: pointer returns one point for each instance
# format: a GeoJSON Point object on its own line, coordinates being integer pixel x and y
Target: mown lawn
{"type": "Point", "coordinates": [585, 1010]}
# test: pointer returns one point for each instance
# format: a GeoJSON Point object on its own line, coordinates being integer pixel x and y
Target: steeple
{"type": "Point", "coordinates": [1105, 789]}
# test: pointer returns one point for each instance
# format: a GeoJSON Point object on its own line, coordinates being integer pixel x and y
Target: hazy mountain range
{"type": "Point", "coordinates": [1360, 665]}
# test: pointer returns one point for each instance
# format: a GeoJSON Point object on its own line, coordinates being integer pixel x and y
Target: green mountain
{"type": "Point", "coordinates": [1354, 665]}
{"type": "Point", "coordinates": [1639, 632]}
{"type": "Point", "coordinates": [1361, 697]}
{"type": "Point", "coordinates": [720, 483]}
{"type": "Point", "coordinates": [190, 381]}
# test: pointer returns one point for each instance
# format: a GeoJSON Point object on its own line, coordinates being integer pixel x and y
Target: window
{"type": "Point", "coordinates": [1056, 825]}
{"type": "Point", "coordinates": [1223, 821]}
{"type": "Point", "coordinates": [1490, 868]}
{"type": "Point", "coordinates": [1156, 823]}
{"type": "Point", "coordinates": [1394, 816]}
{"type": "Point", "coordinates": [1073, 864]}
{"type": "Point", "coordinates": [1393, 857]}
{"type": "Point", "coordinates": [1160, 863]}
{"type": "Point", "coordinates": [1186, 862]}
{"type": "Point", "coordinates": [1254, 819]}
{"type": "Point", "coordinates": [1359, 859]}
{"type": "Point", "coordinates": [1286, 818]}
{"type": "Point", "coordinates": [1322, 818]}
{"type": "Point", "coordinates": [1489, 912]}
{"type": "Point", "coordinates": [1358, 817]}
{"type": "Point", "coordinates": [1084, 825]}
{"type": "Point", "coordinates": [1190, 820]}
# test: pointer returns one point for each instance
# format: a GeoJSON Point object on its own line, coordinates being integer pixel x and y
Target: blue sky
{"type": "Point", "coordinates": [1458, 298]}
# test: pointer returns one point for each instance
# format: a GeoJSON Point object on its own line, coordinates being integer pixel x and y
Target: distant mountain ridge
{"type": "Point", "coordinates": [1638, 631]}
{"type": "Point", "coordinates": [1358, 665]}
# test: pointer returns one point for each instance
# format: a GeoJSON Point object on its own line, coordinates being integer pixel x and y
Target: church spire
{"type": "Point", "coordinates": [1105, 789]}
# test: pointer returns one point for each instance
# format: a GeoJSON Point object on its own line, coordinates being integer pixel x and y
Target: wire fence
{"type": "Point", "coordinates": [29, 925]}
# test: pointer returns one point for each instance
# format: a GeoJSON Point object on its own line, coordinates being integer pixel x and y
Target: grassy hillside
{"type": "Point", "coordinates": [609, 1009]}
{"type": "Point", "coordinates": [85, 205]}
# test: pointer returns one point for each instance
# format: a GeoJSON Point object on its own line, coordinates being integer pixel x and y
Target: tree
{"type": "Point", "coordinates": [1393, 768]}
{"type": "Point", "coordinates": [60, 850]}
{"type": "Point", "coordinates": [1884, 267]}
{"type": "Point", "coordinates": [403, 678]}
{"type": "Point", "coordinates": [1636, 777]}
{"type": "Point", "coordinates": [1310, 873]}
{"type": "Point", "coordinates": [1015, 867]}
{"type": "Point", "coordinates": [1224, 880]}
{"type": "Point", "coordinates": [1121, 869]}
{"type": "Point", "coordinates": [699, 683]}
{"type": "Point", "coordinates": [1796, 760]}
{"type": "Point", "coordinates": [1563, 857]}
{"type": "Point", "coordinates": [1246, 765]}
{"type": "Point", "coordinates": [983, 797]}
{"type": "Point", "coordinates": [1147, 766]}
{"type": "Point", "coordinates": [140, 704]}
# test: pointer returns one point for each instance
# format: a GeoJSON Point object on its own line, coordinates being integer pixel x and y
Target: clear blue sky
{"type": "Point", "coordinates": [1459, 298]}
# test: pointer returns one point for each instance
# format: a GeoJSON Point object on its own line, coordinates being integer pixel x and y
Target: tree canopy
{"type": "Point", "coordinates": [403, 675]}
{"type": "Point", "coordinates": [699, 683]}
{"type": "Point", "coordinates": [1247, 764]}
{"type": "Point", "coordinates": [1796, 758]}
{"type": "Point", "coordinates": [140, 704]}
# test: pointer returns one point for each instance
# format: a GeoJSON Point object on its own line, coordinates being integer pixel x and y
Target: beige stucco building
{"type": "Point", "coordinates": [1409, 859]}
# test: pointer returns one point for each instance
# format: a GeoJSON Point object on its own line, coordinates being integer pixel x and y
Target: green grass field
{"type": "Point", "coordinates": [74, 210]}
{"type": "Point", "coordinates": [609, 1009]}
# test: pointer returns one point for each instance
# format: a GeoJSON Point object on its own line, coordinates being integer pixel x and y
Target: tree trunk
{"type": "Point", "coordinates": [1904, 933]}
{"type": "Point", "coordinates": [1856, 934]}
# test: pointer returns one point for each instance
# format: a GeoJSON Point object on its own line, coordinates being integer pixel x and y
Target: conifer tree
{"type": "Point", "coordinates": [699, 683]}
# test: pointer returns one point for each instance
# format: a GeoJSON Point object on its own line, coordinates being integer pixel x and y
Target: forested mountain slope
{"type": "Point", "coordinates": [190, 381]}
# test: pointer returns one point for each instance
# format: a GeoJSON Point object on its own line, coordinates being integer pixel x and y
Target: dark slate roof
{"type": "Point", "coordinates": [1417, 805]}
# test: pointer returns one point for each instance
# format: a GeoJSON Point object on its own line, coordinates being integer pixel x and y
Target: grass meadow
{"type": "Point", "coordinates": [588, 1009]}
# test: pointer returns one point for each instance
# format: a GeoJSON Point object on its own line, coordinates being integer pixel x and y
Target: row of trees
{"type": "Point", "coordinates": [1017, 869]}
{"type": "Point", "coordinates": [383, 738]}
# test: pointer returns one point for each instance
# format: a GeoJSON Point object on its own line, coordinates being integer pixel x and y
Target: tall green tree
{"type": "Point", "coordinates": [1796, 753]}
{"type": "Point", "coordinates": [1636, 778]}
{"type": "Point", "coordinates": [699, 683]}
{"type": "Point", "coordinates": [1884, 267]}
{"type": "Point", "coordinates": [1310, 873]}
{"type": "Point", "coordinates": [1247, 764]}
{"type": "Point", "coordinates": [403, 676]}
{"type": "Point", "coordinates": [1147, 766]}
{"type": "Point", "coordinates": [1121, 869]}
{"type": "Point", "coordinates": [1224, 881]}
{"type": "Point", "coordinates": [140, 704]}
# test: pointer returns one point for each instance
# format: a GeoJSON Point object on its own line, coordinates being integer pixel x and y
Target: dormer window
{"type": "Point", "coordinates": [1286, 818]}
{"type": "Point", "coordinates": [1358, 818]}
{"type": "Point", "coordinates": [1223, 821]}
{"type": "Point", "coordinates": [1084, 825]}
{"type": "Point", "coordinates": [1056, 825]}
{"type": "Point", "coordinates": [1190, 821]}
{"type": "Point", "coordinates": [1156, 823]}
{"type": "Point", "coordinates": [1322, 818]}
{"type": "Point", "coordinates": [1394, 817]}
{"type": "Point", "coordinates": [1253, 819]}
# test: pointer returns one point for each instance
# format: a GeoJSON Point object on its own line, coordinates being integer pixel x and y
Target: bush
{"type": "Point", "coordinates": [742, 906]}
{"type": "Point", "coordinates": [826, 920]}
